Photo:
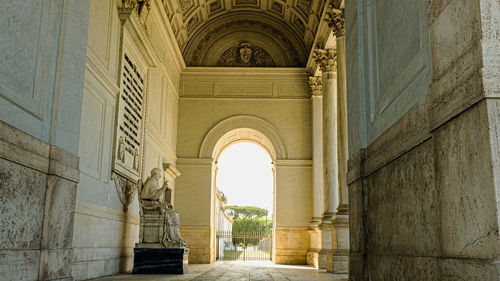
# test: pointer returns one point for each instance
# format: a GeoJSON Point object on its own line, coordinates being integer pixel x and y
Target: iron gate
{"type": "Point", "coordinates": [244, 246]}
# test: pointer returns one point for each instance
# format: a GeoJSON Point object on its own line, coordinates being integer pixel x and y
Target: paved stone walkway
{"type": "Point", "coordinates": [237, 271]}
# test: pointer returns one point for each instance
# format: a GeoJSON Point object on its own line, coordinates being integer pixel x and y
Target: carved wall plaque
{"type": "Point", "coordinates": [129, 120]}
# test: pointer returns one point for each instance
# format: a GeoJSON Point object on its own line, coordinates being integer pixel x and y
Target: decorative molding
{"type": "Point", "coordinates": [336, 21]}
{"type": "Point", "coordinates": [305, 163]}
{"type": "Point", "coordinates": [327, 59]}
{"type": "Point", "coordinates": [316, 85]}
{"type": "Point", "coordinates": [278, 151]}
{"type": "Point", "coordinates": [195, 161]}
{"type": "Point", "coordinates": [171, 170]}
{"type": "Point", "coordinates": [131, 21]}
{"type": "Point", "coordinates": [85, 208]}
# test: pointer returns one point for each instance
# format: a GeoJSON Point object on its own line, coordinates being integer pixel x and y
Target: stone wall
{"type": "Point", "coordinates": [41, 84]}
{"type": "Point", "coordinates": [275, 106]}
{"type": "Point", "coordinates": [104, 234]}
{"type": "Point", "coordinates": [423, 194]}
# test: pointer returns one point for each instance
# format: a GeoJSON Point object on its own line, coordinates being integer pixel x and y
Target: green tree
{"type": "Point", "coordinates": [250, 220]}
{"type": "Point", "coordinates": [248, 212]}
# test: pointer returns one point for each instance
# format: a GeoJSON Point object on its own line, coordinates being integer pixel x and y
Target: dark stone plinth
{"type": "Point", "coordinates": [160, 260]}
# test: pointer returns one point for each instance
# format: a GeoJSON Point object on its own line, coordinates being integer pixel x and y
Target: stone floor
{"type": "Point", "coordinates": [238, 271]}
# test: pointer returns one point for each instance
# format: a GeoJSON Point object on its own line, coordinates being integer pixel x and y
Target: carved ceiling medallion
{"type": "Point", "coordinates": [246, 55]}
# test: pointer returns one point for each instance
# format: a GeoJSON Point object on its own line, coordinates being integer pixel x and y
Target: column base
{"type": "Point", "coordinates": [326, 219]}
{"type": "Point", "coordinates": [343, 209]}
{"type": "Point", "coordinates": [315, 243]}
{"type": "Point", "coordinates": [315, 222]}
{"type": "Point", "coordinates": [323, 258]}
{"type": "Point", "coordinates": [338, 262]}
{"type": "Point", "coordinates": [313, 257]}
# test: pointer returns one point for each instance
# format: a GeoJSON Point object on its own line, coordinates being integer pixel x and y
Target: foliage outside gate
{"type": "Point", "coordinates": [243, 246]}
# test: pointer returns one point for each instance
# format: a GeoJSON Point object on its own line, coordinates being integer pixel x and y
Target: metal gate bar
{"type": "Point", "coordinates": [244, 246]}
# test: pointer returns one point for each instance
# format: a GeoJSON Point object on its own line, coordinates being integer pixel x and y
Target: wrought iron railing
{"type": "Point", "coordinates": [243, 246]}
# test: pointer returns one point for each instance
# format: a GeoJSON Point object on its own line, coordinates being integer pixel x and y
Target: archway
{"type": "Point", "coordinates": [245, 203]}
{"type": "Point", "coordinates": [226, 141]}
{"type": "Point", "coordinates": [196, 189]}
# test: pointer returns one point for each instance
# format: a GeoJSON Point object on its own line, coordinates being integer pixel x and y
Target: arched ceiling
{"type": "Point", "coordinates": [244, 32]}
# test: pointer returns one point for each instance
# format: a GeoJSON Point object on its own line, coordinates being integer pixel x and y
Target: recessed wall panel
{"type": "Point", "coordinates": [23, 53]}
{"type": "Point", "coordinates": [397, 60]}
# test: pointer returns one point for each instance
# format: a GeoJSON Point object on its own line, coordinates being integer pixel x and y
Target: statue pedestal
{"type": "Point", "coordinates": [160, 260]}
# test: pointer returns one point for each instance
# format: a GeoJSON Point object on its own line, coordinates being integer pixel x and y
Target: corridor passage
{"type": "Point", "coordinates": [238, 271]}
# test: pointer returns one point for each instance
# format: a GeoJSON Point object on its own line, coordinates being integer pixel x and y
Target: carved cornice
{"type": "Point", "coordinates": [316, 85]}
{"type": "Point", "coordinates": [171, 170]}
{"type": "Point", "coordinates": [336, 21]}
{"type": "Point", "coordinates": [327, 59]}
{"type": "Point", "coordinates": [131, 20]}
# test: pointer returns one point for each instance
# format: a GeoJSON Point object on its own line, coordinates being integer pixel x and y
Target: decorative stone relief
{"type": "Point", "coordinates": [121, 149]}
{"type": "Point", "coordinates": [186, 5]}
{"type": "Point", "coordinates": [245, 55]}
{"type": "Point", "coordinates": [316, 85]}
{"type": "Point", "coordinates": [200, 50]}
{"type": "Point", "coordinates": [307, 12]}
{"type": "Point", "coordinates": [125, 189]}
{"type": "Point", "coordinates": [336, 21]}
{"type": "Point", "coordinates": [304, 6]}
{"type": "Point", "coordinates": [136, 159]}
{"type": "Point", "coordinates": [142, 8]}
{"type": "Point", "coordinates": [326, 58]}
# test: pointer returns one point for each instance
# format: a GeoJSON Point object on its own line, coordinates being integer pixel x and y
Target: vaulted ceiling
{"type": "Point", "coordinates": [244, 32]}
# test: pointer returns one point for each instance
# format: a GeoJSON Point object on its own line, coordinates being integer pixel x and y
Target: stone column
{"type": "Point", "coordinates": [316, 86]}
{"type": "Point", "coordinates": [328, 64]}
{"type": "Point", "coordinates": [340, 255]}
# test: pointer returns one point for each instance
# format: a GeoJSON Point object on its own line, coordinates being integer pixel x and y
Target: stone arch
{"type": "Point", "coordinates": [243, 135]}
{"type": "Point", "coordinates": [243, 128]}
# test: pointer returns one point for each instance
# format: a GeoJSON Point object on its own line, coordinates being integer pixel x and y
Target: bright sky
{"type": "Point", "coordinates": [245, 175]}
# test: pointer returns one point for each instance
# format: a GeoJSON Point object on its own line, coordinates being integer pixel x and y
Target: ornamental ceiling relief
{"type": "Point", "coordinates": [294, 22]}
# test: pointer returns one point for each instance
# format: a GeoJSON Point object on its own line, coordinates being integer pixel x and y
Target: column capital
{"type": "Point", "coordinates": [315, 85]}
{"type": "Point", "coordinates": [336, 21]}
{"type": "Point", "coordinates": [326, 58]}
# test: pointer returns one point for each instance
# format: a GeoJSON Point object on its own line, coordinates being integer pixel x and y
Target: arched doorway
{"type": "Point", "coordinates": [244, 203]}
{"type": "Point", "coordinates": [261, 243]}
{"type": "Point", "coordinates": [196, 189]}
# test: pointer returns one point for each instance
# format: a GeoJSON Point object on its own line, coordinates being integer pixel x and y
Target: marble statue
{"type": "Point", "coordinates": [152, 194]}
{"type": "Point", "coordinates": [136, 159]}
{"type": "Point", "coordinates": [121, 149]}
{"type": "Point", "coordinates": [157, 209]}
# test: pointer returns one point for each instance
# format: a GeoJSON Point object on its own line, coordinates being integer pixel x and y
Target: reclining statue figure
{"type": "Point", "coordinates": [152, 199]}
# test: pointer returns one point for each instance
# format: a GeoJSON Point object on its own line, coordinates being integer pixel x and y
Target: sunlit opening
{"type": "Point", "coordinates": [244, 207]}
{"type": "Point", "coordinates": [245, 175]}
